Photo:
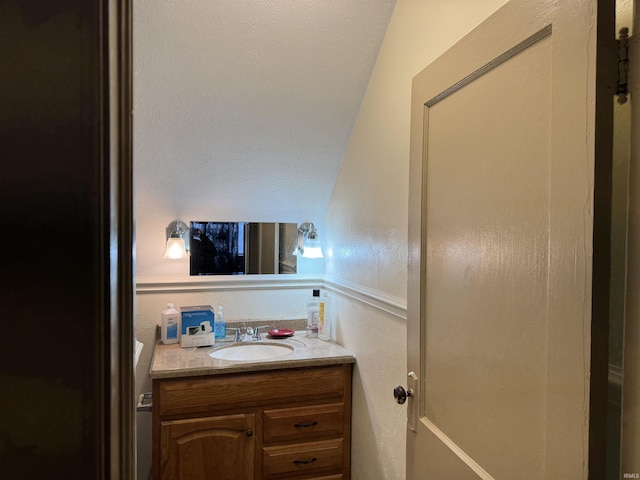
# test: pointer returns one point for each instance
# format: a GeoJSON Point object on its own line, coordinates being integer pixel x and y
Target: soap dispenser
{"type": "Point", "coordinates": [220, 325]}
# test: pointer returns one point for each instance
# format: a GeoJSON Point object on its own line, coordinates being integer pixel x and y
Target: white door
{"type": "Point", "coordinates": [508, 285]}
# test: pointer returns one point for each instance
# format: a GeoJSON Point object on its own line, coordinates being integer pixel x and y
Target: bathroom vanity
{"type": "Point", "coordinates": [287, 417]}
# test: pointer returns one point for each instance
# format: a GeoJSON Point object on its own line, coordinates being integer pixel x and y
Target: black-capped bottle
{"type": "Point", "coordinates": [313, 314]}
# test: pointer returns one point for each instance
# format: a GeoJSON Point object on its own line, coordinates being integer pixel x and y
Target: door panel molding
{"type": "Point", "coordinates": [459, 452]}
{"type": "Point", "coordinates": [487, 67]}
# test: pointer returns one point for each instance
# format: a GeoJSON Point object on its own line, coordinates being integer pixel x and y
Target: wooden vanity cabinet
{"type": "Point", "coordinates": [278, 424]}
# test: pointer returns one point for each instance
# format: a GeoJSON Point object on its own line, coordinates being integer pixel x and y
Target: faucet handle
{"type": "Point", "coordinates": [256, 335]}
{"type": "Point", "coordinates": [237, 337]}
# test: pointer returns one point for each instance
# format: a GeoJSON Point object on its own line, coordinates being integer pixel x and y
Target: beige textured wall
{"type": "Point", "coordinates": [366, 224]}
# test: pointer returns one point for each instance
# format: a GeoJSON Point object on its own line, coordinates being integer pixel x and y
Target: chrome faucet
{"type": "Point", "coordinates": [237, 336]}
{"type": "Point", "coordinates": [247, 334]}
{"type": "Point", "coordinates": [256, 334]}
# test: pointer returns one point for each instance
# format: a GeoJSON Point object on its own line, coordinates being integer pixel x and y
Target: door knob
{"type": "Point", "coordinates": [400, 394]}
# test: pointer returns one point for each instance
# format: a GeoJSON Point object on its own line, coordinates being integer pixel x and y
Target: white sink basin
{"type": "Point", "coordinates": [252, 351]}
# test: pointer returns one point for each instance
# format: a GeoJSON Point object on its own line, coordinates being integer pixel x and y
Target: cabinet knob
{"type": "Point", "coordinates": [249, 433]}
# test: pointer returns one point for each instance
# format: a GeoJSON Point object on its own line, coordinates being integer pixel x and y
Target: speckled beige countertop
{"type": "Point", "coordinates": [171, 361]}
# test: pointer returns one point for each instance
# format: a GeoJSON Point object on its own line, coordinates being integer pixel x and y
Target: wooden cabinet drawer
{"type": "Point", "coordinates": [302, 423]}
{"type": "Point", "coordinates": [233, 391]}
{"type": "Point", "coordinates": [311, 458]}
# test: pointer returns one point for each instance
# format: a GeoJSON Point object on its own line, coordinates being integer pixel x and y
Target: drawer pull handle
{"type": "Point", "coordinates": [305, 462]}
{"type": "Point", "coordinates": [305, 425]}
{"type": "Point", "coordinates": [249, 433]}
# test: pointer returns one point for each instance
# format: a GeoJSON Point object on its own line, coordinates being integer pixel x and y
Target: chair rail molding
{"type": "Point", "coordinates": [380, 300]}
{"type": "Point", "coordinates": [226, 283]}
{"type": "Point", "coordinates": [391, 304]}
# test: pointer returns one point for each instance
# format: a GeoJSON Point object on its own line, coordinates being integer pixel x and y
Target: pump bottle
{"type": "Point", "coordinates": [220, 325]}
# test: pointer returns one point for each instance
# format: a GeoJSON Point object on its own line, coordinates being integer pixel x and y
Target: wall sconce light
{"type": "Point", "coordinates": [309, 248]}
{"type": "Point", "coordinates": [177, 245]}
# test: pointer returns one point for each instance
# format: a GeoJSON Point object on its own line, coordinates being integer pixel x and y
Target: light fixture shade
{"type": "Point", "coordinates": [312, 249]}
{"type": "Point", "coordinates": [177, 240]}
{"type": "Point", "coordinates": [175, 249]}
{"type": "Point", "coordinates": [308, 243]}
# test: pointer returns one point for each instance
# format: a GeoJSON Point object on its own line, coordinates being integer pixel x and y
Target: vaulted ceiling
{"type": "Point", "coordinates": [249, 95]}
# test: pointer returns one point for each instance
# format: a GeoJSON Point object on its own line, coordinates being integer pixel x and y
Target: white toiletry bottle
{"type": "Point", "coordinates": [169, 325]}
{"type": "Point", "coordinates": [313, 314]}
{"type": "Point", "coordinates": [220, 325]}
{"type": "Point", "coordinates": [324, 317]}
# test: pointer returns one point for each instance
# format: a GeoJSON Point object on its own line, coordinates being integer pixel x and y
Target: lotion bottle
{"type": "Point", "coordinates": [169, 325]}
{"type": "Point", "coordinates": [324, 317]}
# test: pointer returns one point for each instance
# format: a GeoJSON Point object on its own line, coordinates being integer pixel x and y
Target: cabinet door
{"type": "Point", "coordinates": [204, 448]}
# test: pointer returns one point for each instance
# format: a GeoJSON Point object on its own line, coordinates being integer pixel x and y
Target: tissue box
{"type": "Point", "coordinates": [197, 326]}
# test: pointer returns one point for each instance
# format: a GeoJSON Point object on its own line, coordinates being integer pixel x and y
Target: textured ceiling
{"type": "Point", "coordinates": [248, 96]}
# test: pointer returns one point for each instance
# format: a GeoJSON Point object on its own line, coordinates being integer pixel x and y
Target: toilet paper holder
{"type": "Point", "coordinates": [142, 406]}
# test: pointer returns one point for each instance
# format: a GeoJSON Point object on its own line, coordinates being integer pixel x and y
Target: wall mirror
{"type": "Point", "coordinates": [240, 248]}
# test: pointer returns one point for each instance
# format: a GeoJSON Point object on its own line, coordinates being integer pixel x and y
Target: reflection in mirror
{"type": "Point", "coordinates": [238, 248]}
